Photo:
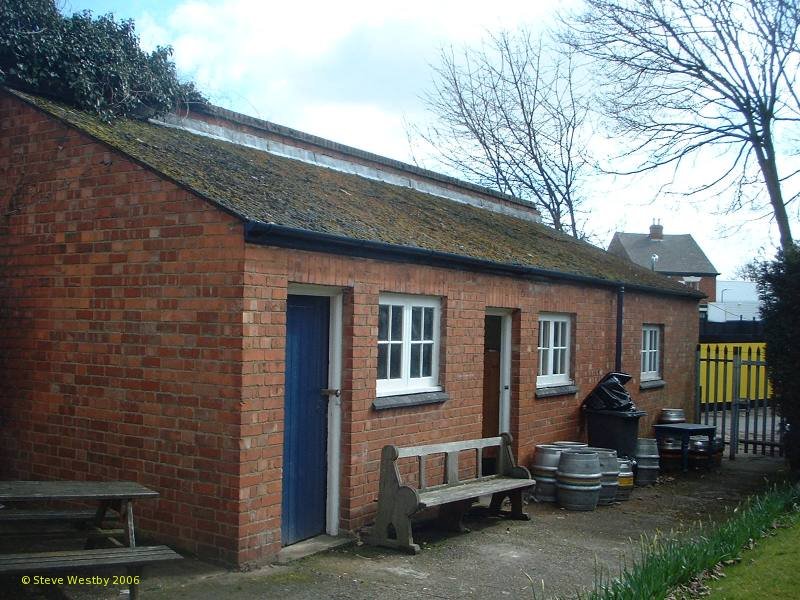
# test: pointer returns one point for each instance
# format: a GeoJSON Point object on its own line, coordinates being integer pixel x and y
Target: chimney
{"type": "Point", "coordinates": [656, 231]}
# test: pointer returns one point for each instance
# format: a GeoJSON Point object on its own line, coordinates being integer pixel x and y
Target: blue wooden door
{"type": "Point", "coordinates": [305, 456]}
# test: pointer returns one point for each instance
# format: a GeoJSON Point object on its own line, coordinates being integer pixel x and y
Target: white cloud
{"type": "Point", "coordinates": [364, 126]}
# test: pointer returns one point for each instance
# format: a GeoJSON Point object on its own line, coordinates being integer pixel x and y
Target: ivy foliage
{"type": "Point", "coordinates": [94, 64]}
{"type": "Point", "coordinates": [779, 291]}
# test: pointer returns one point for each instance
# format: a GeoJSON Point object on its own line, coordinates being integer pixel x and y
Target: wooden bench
{"type": "Point", "coordinates": [398, 502]}
{"type": "Point", "coordinates": [133, 559]}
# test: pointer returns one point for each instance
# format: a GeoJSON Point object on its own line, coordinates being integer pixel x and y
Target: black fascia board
{"type": "Point", "coordinates": [282, 236]}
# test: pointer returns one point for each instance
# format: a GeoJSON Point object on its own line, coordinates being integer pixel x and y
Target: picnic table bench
{"type": "Point", "coordinates": [114, 501]}
{"type": "Point", "coordinates": [398, 502]}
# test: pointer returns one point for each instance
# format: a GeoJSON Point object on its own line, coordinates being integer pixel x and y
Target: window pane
{"type": "Point", "coordinates": [416, 322]}
{"type": "Point", "coordinates": [383, 361]}
{"type": "Point", "coordinates": [544, 334]}
{"type": "Point", "coordinates": [427, 360]}
{"type": "Point", "coordinates": [428, 330]}
{"type": "Point", "coordinates": [644, 340]}
{"type": "Point", "coordinates": [561, 368]}
{"type": "Point", "coordinates": [415, 359]}
{"type": "Point", "coordinates": [397, 323]}
{"type": "Point", "coordinates": [383, 323]}
{"type": "Point", "coordinates": [395, 361]}
{"type": "Point", "coordinates": [544, 362]}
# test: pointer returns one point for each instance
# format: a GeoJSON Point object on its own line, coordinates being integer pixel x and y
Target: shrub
{"type": "Point", "coordinates": [779, 291]}
{"type": "Point", "coordinates": [95, 64]}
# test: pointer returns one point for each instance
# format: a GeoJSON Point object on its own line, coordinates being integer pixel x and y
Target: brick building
{"type": "Point", "coordinates": [240, 316]}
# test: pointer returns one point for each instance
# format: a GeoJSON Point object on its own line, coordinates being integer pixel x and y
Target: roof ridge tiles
{"type": "Point", "coordinates": [301, 136]}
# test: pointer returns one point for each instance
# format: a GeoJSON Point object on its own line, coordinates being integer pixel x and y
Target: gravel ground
{"type": "Point", "coordinates": [557, 551]}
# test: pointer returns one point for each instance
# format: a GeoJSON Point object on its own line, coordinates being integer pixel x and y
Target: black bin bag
{"type": "Point", "coordinates": [612, 420]}
{"type": "Point", "coordinates": [610, 394]}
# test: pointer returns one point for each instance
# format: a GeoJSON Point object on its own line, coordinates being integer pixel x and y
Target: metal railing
{"type": "Point", "coordinates": [733, 394]}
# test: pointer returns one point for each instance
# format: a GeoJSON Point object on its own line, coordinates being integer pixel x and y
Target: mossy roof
{"type": "Point", "coordinates": [263, 187]}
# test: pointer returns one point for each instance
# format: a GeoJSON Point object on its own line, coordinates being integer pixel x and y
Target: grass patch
{"type": "Point", "coordinates": [768, 571]}
{"type": "Point", "coordinates": [670, 561]}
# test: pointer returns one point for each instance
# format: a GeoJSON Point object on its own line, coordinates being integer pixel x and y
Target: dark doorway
{"type": "Point", "coordinates": [492, 355]}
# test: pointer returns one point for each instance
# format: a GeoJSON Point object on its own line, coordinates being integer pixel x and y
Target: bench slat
{"type": "Point", "coordinates": [11, 564]}
{"type": "Point", "coordinates": [471, 489]}
{"type": "Point", "coordinates": [46, 515]}
{"type": "Point", "coordinates": [448, 447]}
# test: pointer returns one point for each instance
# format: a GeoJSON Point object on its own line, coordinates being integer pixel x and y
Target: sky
{"type": "Point", "coordinates": [355, 72]}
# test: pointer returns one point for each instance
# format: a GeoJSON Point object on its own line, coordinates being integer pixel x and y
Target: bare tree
{"type": "Point", "coordinates": [684, 76]}
{"type": "Point", "coordinates": [509, 119]}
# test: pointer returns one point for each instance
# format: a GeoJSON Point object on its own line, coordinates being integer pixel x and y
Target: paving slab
{"type": "Point", "coordinates": [557, 551]}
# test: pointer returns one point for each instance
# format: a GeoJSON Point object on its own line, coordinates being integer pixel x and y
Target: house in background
{"type": "Point", "coordinates": [240, 316]}
{"type": "Point", "coordinates": [678, 257]}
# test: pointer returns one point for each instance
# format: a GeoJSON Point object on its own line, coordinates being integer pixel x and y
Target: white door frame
{"type": "Point", "coordinates": [505, 366]}
{"type": "Point", "coordinates": [334, 402]}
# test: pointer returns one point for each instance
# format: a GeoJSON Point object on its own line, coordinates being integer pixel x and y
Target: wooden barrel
{"type": "Point", "coordinates": [672, 415]}
{"type": "Point", "coordinates": [646, 461]}
{"type": "Point", "coordinates": [625, 487]}
{"type": "Point", "coordinates": [543, 469]}
{"type": "Point", "coordinates": [609, 481]}
{"type": "Point", "coordinates": [568, 444]}
{"type": "Point", "coordinates": [669, 451]}
{"type": "Point", "coordinates": [578, 479]}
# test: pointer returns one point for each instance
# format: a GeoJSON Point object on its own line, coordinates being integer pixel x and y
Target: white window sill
{"type": "Point", "coordinates": [545, 381]}
{"type": "Point", "coordinates": [407, 391]}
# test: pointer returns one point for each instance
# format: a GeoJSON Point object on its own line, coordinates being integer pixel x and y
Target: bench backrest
{"type": "Point", "coordinates": [451, 450]}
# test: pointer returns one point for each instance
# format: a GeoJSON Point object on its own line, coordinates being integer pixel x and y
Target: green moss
{"type": "Point", "coordinates": [264, 187]}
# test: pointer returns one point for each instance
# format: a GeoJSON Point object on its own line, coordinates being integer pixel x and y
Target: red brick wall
{"type": "Point", "coordinates": [465, 299]}
{"type": "Point", "coordinates": [120, 330]}
{"type": "Point", "coordinates": [708, 285]}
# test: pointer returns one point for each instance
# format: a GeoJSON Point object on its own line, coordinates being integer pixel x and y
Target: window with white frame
{"type": "Point", "coordinates": [554, 349]}
{"type": "Point", "coordinates": [651, 352]}
{"type": "Point", "coordinates": [408, 344]}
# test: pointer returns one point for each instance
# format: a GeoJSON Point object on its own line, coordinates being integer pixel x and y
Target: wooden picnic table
{"type": "Point", "coordinates": [19, 491]}
{"type": "Point", "coordinates": [109, 497]}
